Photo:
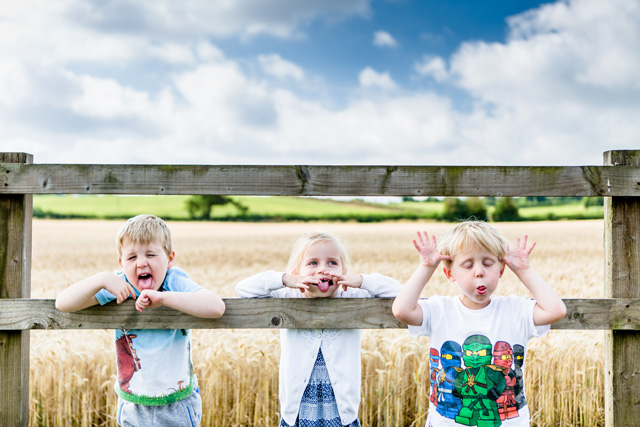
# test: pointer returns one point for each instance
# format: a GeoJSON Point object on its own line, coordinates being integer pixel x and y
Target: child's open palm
{"type": "Point", "coordinates": [428, 250]}
{"type": "Point", "coordinates": [517, 258]}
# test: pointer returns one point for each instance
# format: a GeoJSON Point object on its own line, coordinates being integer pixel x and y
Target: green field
{"type": "Point", "coordinates": [259, 208]}
{"type": "Point", "coordinates": [275, 208]}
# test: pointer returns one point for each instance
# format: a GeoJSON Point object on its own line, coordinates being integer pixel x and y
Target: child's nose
{"type": "Point", "coordinates": [479, 272]}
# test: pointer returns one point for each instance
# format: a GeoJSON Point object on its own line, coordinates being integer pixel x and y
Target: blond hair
{"type": "Point", "coordinates": [307, 240]}
{"type": "Point", "coordinates": [473, 235]}
{"type": "Point", "coordinates": [144, 229]}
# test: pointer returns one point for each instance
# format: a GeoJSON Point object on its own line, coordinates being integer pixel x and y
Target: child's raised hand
{"type": "Point", "coordinates": [149, 299]}
{"type": "Point", "coordinates": [119, 288]}
{"type": "Point", "coordinates": [300, 282]}
{"type": "Point", "coordinates": [428, 250]}
{"type": "Point", "coordinates": [518, 257]}
{"type": "Point", "coordinates": [347, 281]}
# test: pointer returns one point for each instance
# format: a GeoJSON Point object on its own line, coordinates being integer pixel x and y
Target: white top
{"type": "Point", "coordinates": [507, 321]}
{"type": "Point", "coordinates": [299, 347]}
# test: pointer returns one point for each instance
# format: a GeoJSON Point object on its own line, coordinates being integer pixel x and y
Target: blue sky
{"type": "Point", "coordinates": [439, 82]}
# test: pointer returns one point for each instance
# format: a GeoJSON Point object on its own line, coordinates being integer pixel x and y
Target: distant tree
{"type": "Point", "coordinates": [490, 201]}
{"type": "Point", "coordinates": [200, 207]}
{"type": "Point", "coordinates": [456, 209]}
{"type": "Point", "coordinates": [505, 210]}
{"type": "Point", "coordinates": [477, 208]}
{"type": "Point", "coordinates": [592, 201]}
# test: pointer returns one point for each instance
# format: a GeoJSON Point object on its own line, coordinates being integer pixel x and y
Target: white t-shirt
{"type": "Point", "coordinates": [477, 359]}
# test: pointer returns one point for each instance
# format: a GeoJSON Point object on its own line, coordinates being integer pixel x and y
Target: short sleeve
{"type": "Point", "coordinates": [177, 280]}
{"type": "Point", "coordinates": [104, 296]}
{"type": "Point", "coordinates": [536, 331]}
{"type": "Point", "coordinates": [425, 327]}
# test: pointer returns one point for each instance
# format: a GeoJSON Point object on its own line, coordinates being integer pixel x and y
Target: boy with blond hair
{"type": "Point", "coordinates": [156, 385]}
{"type": "Point", "coordinates": [476, 327]}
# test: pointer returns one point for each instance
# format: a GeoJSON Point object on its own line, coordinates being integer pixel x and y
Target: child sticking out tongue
{"type": "Point", "coordinates": [324, 284]}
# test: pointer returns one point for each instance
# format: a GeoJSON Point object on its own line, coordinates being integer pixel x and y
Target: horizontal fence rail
{"type": "Point", "coordinates": [285, 313]}
{"type": "Point", "coordinates": [618, 314]}
{"type": "Point", "coordinates": [17, 178]}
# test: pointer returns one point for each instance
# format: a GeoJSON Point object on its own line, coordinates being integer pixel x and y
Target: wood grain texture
{"type": "Point", "coordinates": [320, 180]}
{"type": "Point", "coordinates": [260, 313]}
{"type": "Point", "coordinates": [16, 211]}
{"type": "Point", "coordinates": [622, 272]}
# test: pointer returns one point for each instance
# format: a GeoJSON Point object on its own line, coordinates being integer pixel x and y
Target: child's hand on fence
{"type": "Point", "coordinates": [148, 299]}
{"type": "Point", "coordinates": [300, 282]}
{"type": "Point", "coordinates": [428, 250]}
{"type": "Point", "coordinates": [517, 258]}
{"type": "Point", "coordinates": [347, 281]}
{"type": "Point", "coordinates": [119, 288]}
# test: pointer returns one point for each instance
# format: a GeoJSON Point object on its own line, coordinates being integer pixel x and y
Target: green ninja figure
{"type": "Point", "coordinates": [479, 385]}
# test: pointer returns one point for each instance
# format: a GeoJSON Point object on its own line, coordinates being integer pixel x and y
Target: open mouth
{"type": "Point", "coordinates": [324, 284]}
{"type": "Point", "coordinates": [145, 281]}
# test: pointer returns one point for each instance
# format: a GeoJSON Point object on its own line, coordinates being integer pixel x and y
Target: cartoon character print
{"type": "Point", "coordinates": [451, 359]}
{"type": "Point", "coordinates": [434, 361]}
{"type": "Point", "coordinates": [518, 389]}
{"type": "Point", "coordinates": [503, 357]}
{"type": "Point", "coordinates": [477, 392]}
{"type": "Point", "coordinates": [128, 361]}
{"type": "Point", "coordinates": [479, 385]}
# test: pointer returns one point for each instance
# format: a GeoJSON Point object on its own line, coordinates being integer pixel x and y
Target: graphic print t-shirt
{"type": "Point", "coordinates": [154, 365]}
{"type": "Point", "coordinates": [477, 360]}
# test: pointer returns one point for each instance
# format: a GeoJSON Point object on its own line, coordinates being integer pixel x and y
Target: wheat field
{"type": "Point", "coordinates": [72, 372]}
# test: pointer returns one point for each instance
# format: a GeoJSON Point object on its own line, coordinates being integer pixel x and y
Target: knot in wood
{"type": "Point", "coordinates": [276, 321]}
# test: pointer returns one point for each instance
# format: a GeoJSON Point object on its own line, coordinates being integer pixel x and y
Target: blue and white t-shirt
{"type": "Point", "coordinates": [154, 365]}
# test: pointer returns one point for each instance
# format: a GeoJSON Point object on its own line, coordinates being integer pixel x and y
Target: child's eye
{"type": "Point", "coordinates": [312, 263]}
{"type": "Point", "coordinates": [333, 262]}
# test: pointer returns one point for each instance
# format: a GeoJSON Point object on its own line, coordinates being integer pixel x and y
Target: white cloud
{"type": "Point", "coordinates": [371, 78]}
{"type": "Point", "coordinates": [560, 90]}
{"type": "Point", "coordinates": [106, 99]}
{"type": "Point", "coordinates": [276, 66]}
{"type": "Point", "coordinates": [433, 66]}
{"type": "Point", "coordinates": [384, 39]}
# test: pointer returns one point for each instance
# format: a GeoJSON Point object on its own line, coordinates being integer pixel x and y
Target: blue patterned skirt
{"type": "Point", "coordinates": [318, 407]}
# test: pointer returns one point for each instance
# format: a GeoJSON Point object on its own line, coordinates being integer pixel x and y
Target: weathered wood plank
{"type": "Point", "coordinates": [320, 180]}
{"type": "Point", "coordinates": [260, 313]}
{"type": "Point", "coordinates": [622, 275]}
{"type": "Point", "coordinates": [16, 211]}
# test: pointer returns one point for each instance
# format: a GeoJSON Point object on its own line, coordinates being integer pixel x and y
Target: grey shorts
{"type": "Point", "coordinates": [186, 412]}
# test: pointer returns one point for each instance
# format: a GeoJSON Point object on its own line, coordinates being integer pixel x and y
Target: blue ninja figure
{"type": "Point", "coordinates": [451, 359]}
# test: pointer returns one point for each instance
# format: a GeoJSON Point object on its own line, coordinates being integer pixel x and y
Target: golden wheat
{"type": "Point", "coordinates": [72, 372]}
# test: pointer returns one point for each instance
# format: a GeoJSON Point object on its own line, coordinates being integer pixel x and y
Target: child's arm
{"type": "Point", "coordinates": [82, 294]}
{"type": "Point", "coordinates": [405, 306]}
{"type": "Point", "coordinates": [549, 307]}
{"type": "Point", "coordinates": [201, 303]}
{"type": "Point", "coordinates": [263, 284]}
{"type": "Point", "coordinates": [378, 285]}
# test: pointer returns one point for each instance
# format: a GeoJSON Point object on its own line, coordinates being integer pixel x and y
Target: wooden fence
{"type": "Point", "coordinates": [619, 313]}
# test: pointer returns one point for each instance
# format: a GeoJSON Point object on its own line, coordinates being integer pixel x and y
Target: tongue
{"type": "Point", "coordinates": [324, 286]}
{"type": "Point", "coordinates": [145, 282]}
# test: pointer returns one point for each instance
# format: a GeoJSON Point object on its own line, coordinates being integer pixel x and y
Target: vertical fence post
{"type": "Point", "coordinates": [622, 280]}
{"type": "Point", "coordinates": [16, 212]}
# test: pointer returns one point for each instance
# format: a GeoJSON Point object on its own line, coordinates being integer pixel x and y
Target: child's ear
{"type": "Point", "coordinates": [502, 269]}
{"type": "Point", "coordinates": [172, 257]}
{"type": "Point", "coordinates": [447, 272]}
